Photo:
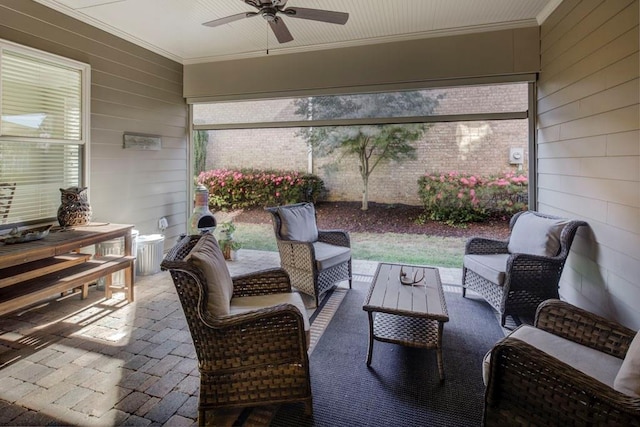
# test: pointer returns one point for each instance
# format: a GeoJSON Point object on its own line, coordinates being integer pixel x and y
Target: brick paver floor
{"type": "Point", "coordinates": [109, 362]}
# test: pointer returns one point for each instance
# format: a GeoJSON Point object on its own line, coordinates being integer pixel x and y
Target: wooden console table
{"type": "Point", "coordinates": [33, 271]}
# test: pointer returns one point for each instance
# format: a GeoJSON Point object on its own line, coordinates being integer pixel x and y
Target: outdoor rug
{"type": "Point", "coordinates": [402, 386]}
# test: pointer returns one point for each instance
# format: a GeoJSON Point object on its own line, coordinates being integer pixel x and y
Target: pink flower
{"type": "Point", "coordinates": [519, 179]}
{"type": "Point", "coordinates": [439, 196]}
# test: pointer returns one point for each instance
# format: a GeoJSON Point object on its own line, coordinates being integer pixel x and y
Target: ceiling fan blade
{"type": "Point", "coordinates": [228, 19]}
{"type": "Point", "coordinates": [281, 31]}
{"type": "Point", "coordinates": [317, 15]}
{"type": "Point", "coordinates": [255, 3]}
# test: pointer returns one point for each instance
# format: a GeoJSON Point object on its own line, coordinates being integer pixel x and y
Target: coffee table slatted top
{"type": "Point", "coordinates": [424, 299]}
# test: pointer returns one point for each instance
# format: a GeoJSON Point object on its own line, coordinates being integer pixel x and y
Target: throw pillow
{"type": "Point", "coordinates": [628, 379]}
{"type": "Point", "coordinates": [298, 223]}
{"type": "Point", "coordinates": [207, 256]}
{"type": "Point", "coordinates": [536, 235]}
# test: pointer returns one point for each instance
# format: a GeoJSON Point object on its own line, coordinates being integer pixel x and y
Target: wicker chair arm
{"type": "Point", "coordinates": [168, 264]}
{"type": "Point", "coordinates": [264, 282]}
{"type": "Point", "coordinates": [300, 255]}
{"type": "Point", "coordinates": [246, 319]}
{"type": "Point", "coordinates": [527, 262]}
{"type": "Point", "coordinates": [527, 383]}
{"type": "Point", "coordinates": [335, 237]}
{"type": "Point", "coordinates": [294, 243]}
{"type": "Point", "coordinates": [270, 335]}
{"type": "Point", "coordinates": [586, 328]}
{"type": "Point", "coordinates": [484, 246]}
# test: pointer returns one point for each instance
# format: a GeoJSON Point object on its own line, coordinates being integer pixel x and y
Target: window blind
{"type": "Point", "coordinates": [41, 133]}
{"type": "Point", "coordinates": [40, 99]}
{"type": "Point", "coordinates": [37, 171]}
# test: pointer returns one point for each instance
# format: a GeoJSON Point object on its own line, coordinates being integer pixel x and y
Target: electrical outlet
{"type": "Point", "coordinates": [163, 223]}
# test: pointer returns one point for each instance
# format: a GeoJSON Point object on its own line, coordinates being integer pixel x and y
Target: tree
{"type": "Point", "coordinates": [200, 143]}
{"type": "Point", "coordinates": [369, 144]}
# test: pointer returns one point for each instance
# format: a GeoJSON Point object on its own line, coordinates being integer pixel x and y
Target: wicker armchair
{"type": "Point", "coordinates": [528, 386]}
{"type": "Point", "coordinates": [315, 259]}
{"type": "Point", "coordinates": [7, 190]}
{"type": "Point", "coordinates": [256, 355]}
{"type": "Point", "coordinates": [514, 278]}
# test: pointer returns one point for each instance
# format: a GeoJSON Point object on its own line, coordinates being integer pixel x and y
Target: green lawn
{"type": "Point", "coordinates": [391, 247]}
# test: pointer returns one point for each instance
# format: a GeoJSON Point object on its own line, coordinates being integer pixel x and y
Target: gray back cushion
{"type": "Point", "coordinates": [207, 256]}
{"type": "Point", "coordinates": [298, 223]}
{"type": "Point", "coordinates": [628, 379]}
{"type": "Point", "coordinates": [536, 235]}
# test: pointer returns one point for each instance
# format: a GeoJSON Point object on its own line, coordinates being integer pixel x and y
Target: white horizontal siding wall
{"type": "Point", "coordinates": [589, 149]}
{"type": "Point", "coordinates": [132, 90]}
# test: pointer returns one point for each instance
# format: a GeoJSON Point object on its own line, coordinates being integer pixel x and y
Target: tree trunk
{"type": "Point", "coordinates": [365, 193]}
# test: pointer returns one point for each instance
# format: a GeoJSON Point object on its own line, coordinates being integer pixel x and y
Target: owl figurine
{"type": "Point", "coordinates": [75, 209]}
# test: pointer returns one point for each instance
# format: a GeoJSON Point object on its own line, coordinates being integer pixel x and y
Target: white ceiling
{"type": "Point", "coordinates": [173, 28]}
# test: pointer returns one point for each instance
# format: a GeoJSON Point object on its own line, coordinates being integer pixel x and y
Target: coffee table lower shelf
{"type": "Point", "coordinates": [408, 331]}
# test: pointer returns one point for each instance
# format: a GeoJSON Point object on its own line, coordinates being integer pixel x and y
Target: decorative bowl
{"type": "Point", "coordinates": [27, 235]}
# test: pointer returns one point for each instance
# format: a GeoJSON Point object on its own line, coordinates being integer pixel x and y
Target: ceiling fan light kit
{"type": "Point", "coordinates": [270, 9]}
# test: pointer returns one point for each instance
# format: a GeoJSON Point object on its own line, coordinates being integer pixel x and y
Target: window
{"type": "Point", "coordinates": [506, 100]}
{"type": "Point", "coordinates": [471, 128]}
{"type": "Point", "coordinates": [43, 131]}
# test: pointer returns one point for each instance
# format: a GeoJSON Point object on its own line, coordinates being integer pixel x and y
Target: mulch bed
{"type": "Point", "coordinates": [383, 218]}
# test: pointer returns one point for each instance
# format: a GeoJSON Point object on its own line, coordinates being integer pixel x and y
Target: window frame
{"type": "Point", "coordinates": [84, 143]}
{"type": "Point", "coordinates": [530, 114]}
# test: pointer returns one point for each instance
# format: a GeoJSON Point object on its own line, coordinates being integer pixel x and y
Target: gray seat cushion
{"type": "Point", "coordinates": [491, 267]}
{"type": "Point", "coordinates": [242, 305]}
{"type": "Point", "coordinates": [600, 366]}
{"type": "Point", "coordinates": [328, 256]}
{"type": "Point", "coordinates": [245, 304]}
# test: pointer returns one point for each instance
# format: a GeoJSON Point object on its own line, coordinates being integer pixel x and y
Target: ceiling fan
{"type": "Point", "coordinates": [270, 9]}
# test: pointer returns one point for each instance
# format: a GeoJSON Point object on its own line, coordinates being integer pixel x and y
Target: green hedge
{"type": "Point", "coordinates": [245, 188]}
{"type": "Point", "coordinates": [458, 198]}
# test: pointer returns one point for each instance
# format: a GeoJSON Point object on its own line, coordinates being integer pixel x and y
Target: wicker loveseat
{"type": "Point", "coordinates": [315, 259]}
{"type": "Point", "coordinates": [250, 332]}
{"type": "Point", "coordinates": [573, 368]}
{"type": "Point", "coordinates": [518, 274]}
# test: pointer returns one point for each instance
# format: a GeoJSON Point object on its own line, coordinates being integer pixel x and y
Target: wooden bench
{"type": "Point", "coordinates": [29, 270]}
{"type": "Point", "coordinates": [29, 283]}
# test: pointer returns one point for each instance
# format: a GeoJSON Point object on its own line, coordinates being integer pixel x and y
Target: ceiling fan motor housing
{"type": "Point", "coordinates": [269, 13]}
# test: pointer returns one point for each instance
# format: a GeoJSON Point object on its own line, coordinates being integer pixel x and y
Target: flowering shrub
{"type": "Point", "coordinates": [458, 198]}
{"type": "Point", "coordinates": [234, 189]}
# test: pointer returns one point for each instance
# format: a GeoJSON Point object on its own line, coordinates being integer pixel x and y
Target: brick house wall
{"type": "Point", "coordinates": [480, 147]}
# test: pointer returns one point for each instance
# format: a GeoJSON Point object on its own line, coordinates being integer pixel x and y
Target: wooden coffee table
{"type": "Point", "coordinates": [408, 314]}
